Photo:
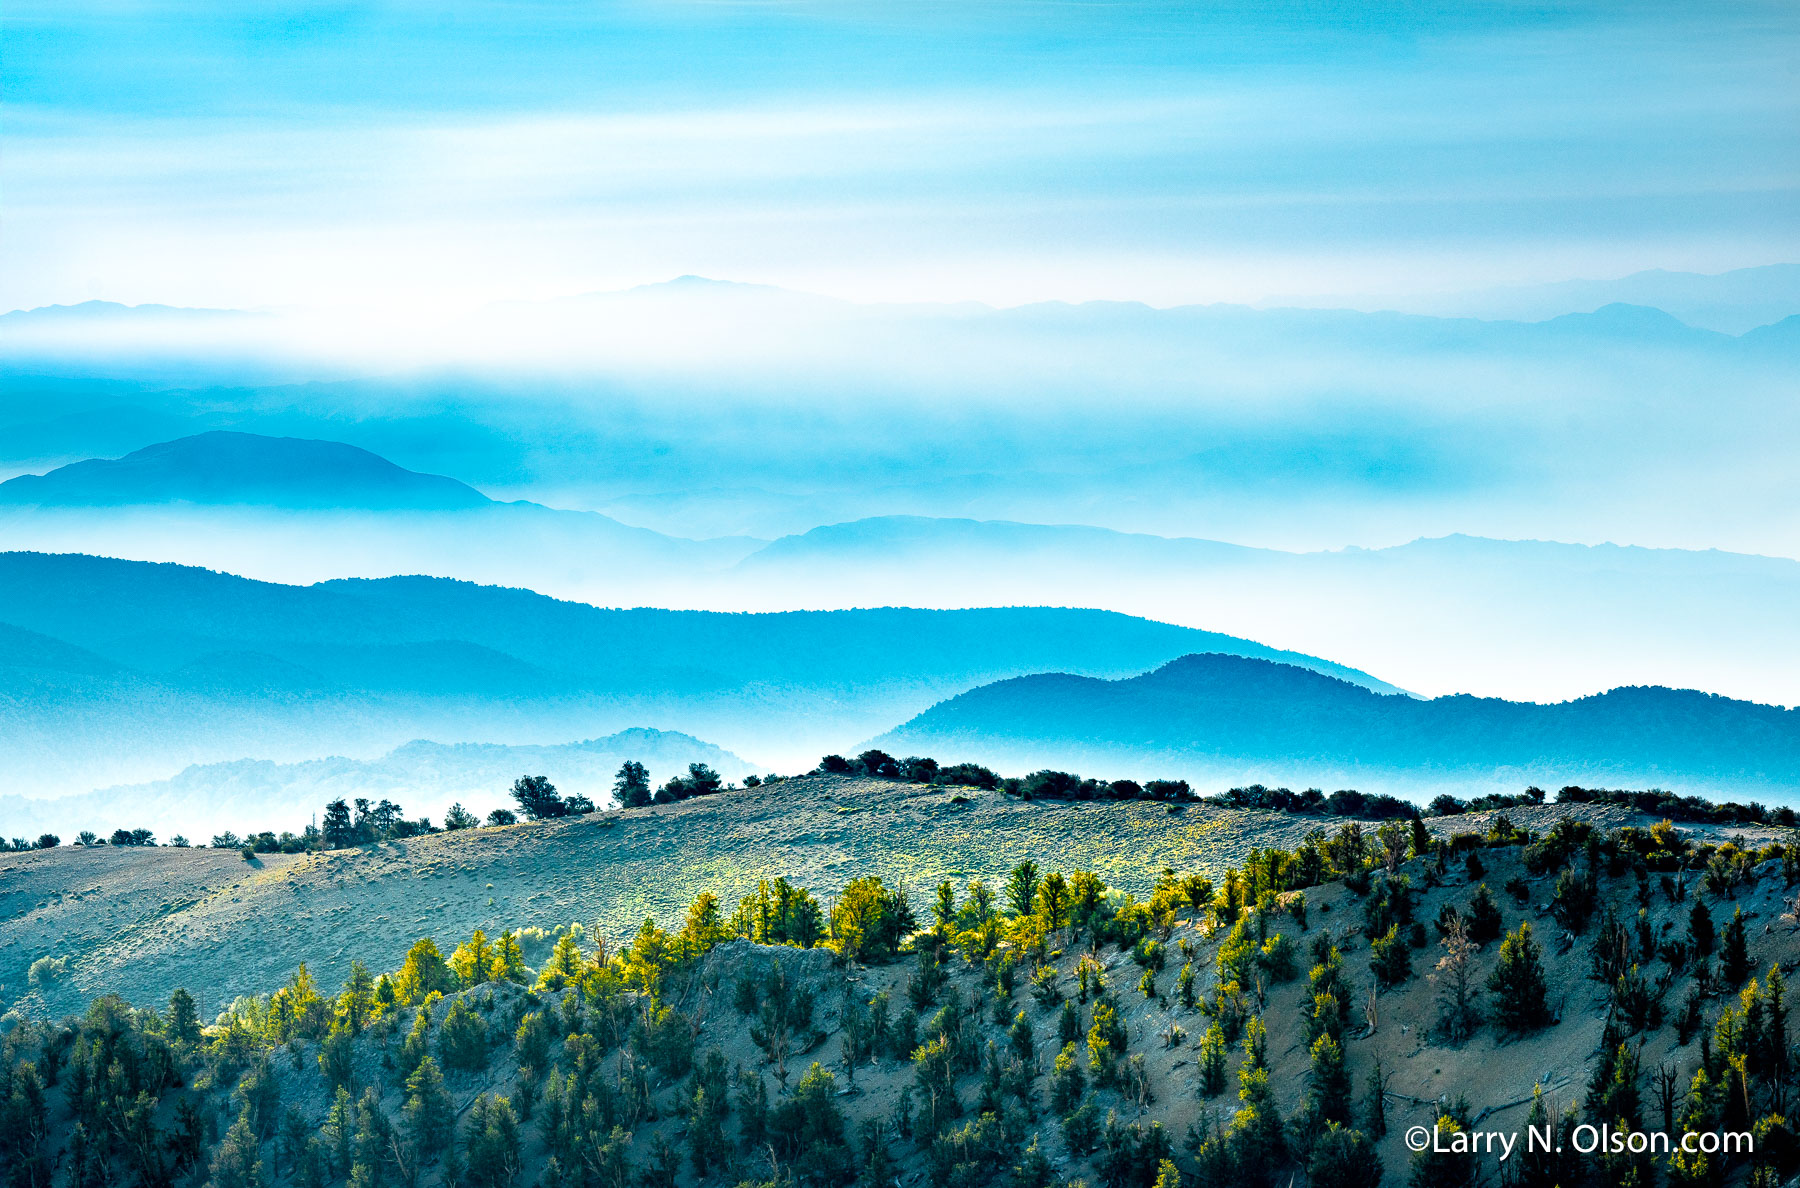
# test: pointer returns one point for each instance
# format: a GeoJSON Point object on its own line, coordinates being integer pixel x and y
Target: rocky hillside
{"type": "Point", "coordinates": [1010, 1027]}
{"type": "Point", "coordinates": [142, 921]}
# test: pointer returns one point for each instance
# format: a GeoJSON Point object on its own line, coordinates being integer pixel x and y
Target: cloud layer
{"type": "Point", "coordinates": [329, 154]}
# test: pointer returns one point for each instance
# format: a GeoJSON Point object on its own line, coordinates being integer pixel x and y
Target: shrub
{"type": "Point", "coordinates": [1278, 959]}
{"type": "Point", "coordinates": [1484, 923]}
{"type": "Point", "coordinates": [46, 971]}
{"type": "Point", "coordinates": [1053, 785]}
{"type": "Point", "coordinates": [700, 780]}
{"type": "Point", "coordinates": [1390, 958]}
{"type": "Point", "coordinates": [968, 775]}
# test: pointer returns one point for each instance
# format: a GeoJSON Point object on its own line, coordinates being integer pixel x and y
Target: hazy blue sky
{"type": "Point", "coordinates": [266, 153]}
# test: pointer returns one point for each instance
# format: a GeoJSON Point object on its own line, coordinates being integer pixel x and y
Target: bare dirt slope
{"type": "Point", "coordinates": [153, 919]}
{"type": "Point", "coordinates": [140, 922]}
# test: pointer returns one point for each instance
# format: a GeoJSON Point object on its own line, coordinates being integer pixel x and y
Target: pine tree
{"type": "Point", "coordinates": [1212, 1061]}
{"type": "Point", "coordinates": [1342, 1158]}
{"type": "Point", "coordinates": [491, 1149]}
{"type": "Point", "coordinates": [372, 1163]}
{"type": "Point", "coordinates": [1375, 1103]}
{"type": "Point", "coordinates": [423, 972]}
{"type": "Point", "coordinates": [335, 1058]}
{"type": "Point", "coordinates": [943, 905]}
{"type": "Point", "coordinates": [238, 1162]}
{"type": "Point", "coordinates": [1067, 1081]}
{"type": "Point", "coordinates": [1019, 1035]}
{"type": "Point", "coordinates": [474, 961]}
{"type": "Point", "coordinates": [357, 1002]}
{"type": "Point", "coordinates": [338, 832]}
{"type": "Point", "coordinates": [259, 1093]}
{"type": "Point", "coordinates": [1022, 887]}
{"type": "Point", "coordinates": [1521, 993]}
{"type": "Point", "coordinates": [1734, 953]}
{"type": "Point", "coordinates": [1455, 981]}
{"type": "Point", "coordinates": [297, 1147]}
{"type": "Point", "coordinates": [1556, 1163]}
{"type": "Point", "coordinates": [24, 1126]}
{"type": "Point", "coordinates": [1612, 1095]}
{"type": "Point", "coordinates": [337, 1137]}
{"type": "Point", "coordinates": [509, 959]}
{"type": "Point", "coordinates": [1034, 1170]}
{"type": "Point", "coordinates": [564, 966]}
{"type": "Point", "coordinates": [1775, 1058]}
{"type": "Point", "coordinates": [430, 1114]}
{"type": "Point", "coordinates": [1256, 1133]}
{"type": "Point", "coordinates": [632, 785]}
{"type": "Point", "coordinates": [1256, 1043]}
{"type": "Point", "coordinates": [184, 1021]}
{"type": "Point", "coordinates": [1437, 1169]}
{"type": "Point", "coordinates": [1068, 1023]}
{"type": "Point", "coordinates": [1105, 1042]}
{"type": "Point", "coordinates": [418, 1040]}
{"type": "Point", "coordinates": [533, 1039]}
{"type": "Point", "coordinates": [1700, 928]}
{"type": "Point", "coordinates": [1328, 1083]}
{"type": "Point", "coordinates": [538, 799]}
{"type": "Point", "coordinates": [462, 1038]}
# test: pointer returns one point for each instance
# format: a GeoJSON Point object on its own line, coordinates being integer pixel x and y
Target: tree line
{"type": "Point", "coordinates": [360, 821]}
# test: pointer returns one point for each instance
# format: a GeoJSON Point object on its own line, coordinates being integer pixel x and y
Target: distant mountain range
{"type": "Point", "coordinates": [1237, 720]}
{"type": "Point", "coordinates": [1730, 302]}
{"type": "Point", "coordinates": [244, 469]}
{"type": "Point", "coordinates": [1526, 619]}
{"type": "Point", "coordinates": [424, 778]}
{"type": "Point", "coordinates": [703, 408]}
{"type": "Point", "coordinates": [305, 509]}
{"type": "Point", "coordinates": [115, 671]}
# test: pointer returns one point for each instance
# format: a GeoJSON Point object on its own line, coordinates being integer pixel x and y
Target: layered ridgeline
{"type": "Point", "coordinates": [1298, 1014]}
{"type": "Point", "coordinates": [1223, 720]}
{"type": "Point", "coordinates": [225, 469]}
{"type": "Point", "coordinates": [300, 508]}
{"type": "Point", "coordinates": [1528, 618]}
{"type": "Point", "coordinates": [114, 671]}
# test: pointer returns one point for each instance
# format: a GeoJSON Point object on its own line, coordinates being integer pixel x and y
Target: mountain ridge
{"type": "Point", "coordinates": [230, 467]}
{"type": "Point", "coordinates": [210, 666]}
{"type": "Point", "coordinates": [1242, 713]}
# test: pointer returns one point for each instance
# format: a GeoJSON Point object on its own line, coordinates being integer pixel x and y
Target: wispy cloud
{"type": "Point", "coordinates": [328, 153]}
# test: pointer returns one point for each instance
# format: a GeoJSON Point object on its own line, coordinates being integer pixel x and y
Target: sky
{"type": "Point", "coordinates": [417, 188]}
{"type": "Point", "coordinates": [274, 155]}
